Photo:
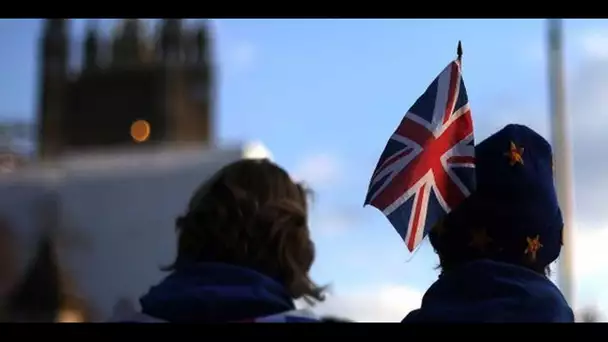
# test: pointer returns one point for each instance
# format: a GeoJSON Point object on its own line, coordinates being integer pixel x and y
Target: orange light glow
{"type": "Point", "coordinates": [140, 131]}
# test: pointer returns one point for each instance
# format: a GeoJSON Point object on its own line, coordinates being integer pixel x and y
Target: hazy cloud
{"type": "Point", "coordinates": [587, 105]}
{"type": "Point", "coordinates": [534, 53]}
{"type": "Point", "coordinates": [337, 221]}
{"type": "Point", "coordinates": [589, 261]}
{"type": "Point", "coordinates": [595, 43]}
{"type": "Point", "coordinates": [382, 303]}
{"type": "Point", "coordinates": [590, 273]}
{"type": "Point", "coordinates": [331, 225]}
{"type": "Point", "coordinates": [241, 56]}
{"type": "Point", "coordinates": [318, 170]}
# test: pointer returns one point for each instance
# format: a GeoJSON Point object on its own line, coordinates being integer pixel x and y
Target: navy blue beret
{"type": "Point", "coordinates": [513, 215]}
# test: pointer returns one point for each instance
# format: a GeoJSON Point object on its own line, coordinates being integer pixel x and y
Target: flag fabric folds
{"type": "Point", "coordinates": [428, 165]}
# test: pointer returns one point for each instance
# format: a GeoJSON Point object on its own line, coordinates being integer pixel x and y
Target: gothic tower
{"type": "Point", "coordinates": [53, 85]}
{"type": "Point", "coordinates": [125, 78]}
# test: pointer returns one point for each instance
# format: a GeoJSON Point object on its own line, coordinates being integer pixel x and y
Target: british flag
{"type": "Point", "coordinates": [427, 167]}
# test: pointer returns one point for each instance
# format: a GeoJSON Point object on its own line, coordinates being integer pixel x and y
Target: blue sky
{"type": "Point", "coordinates": [324, 96]}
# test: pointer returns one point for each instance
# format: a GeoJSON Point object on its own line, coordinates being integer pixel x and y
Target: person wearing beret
{"type": "Point", "coordinates": [495, 248]}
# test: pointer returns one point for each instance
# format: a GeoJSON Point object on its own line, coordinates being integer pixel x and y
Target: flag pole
{"type": "Point", "coordinates": [459, 52]}
{"type": "Point", "coordinates": [562, 153]}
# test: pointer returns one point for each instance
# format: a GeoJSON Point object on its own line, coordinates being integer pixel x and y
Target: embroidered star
{"type": "Point", "coordinates": [533, 246]}
{"type": "Point", "coordinates": [480, 240]}
{"type": "Point", "coordinates": [514, 154]}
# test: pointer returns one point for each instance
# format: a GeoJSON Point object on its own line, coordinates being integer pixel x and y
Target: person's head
{"type": "Point", "coordinates": [513, 215]}
{"type": "Point", "coordinates": [251, 214]}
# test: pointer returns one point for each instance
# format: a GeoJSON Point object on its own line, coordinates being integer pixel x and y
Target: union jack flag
{"type": "Point", "coordinates": [428, 165]}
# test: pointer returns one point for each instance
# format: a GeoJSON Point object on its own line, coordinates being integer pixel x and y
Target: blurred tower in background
{"type": "Point", "coordinates": [15, 145]}
{"type": "Point", "coordinates": [166, 81]}
{"type": "Point", "coordinates": [562, 152]}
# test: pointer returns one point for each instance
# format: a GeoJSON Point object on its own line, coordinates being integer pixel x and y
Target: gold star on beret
{"type": "Point", "coordinates": [515, 154]}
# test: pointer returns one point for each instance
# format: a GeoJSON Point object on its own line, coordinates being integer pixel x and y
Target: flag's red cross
{"type": "Point", "coordinates": [429, 161]}
{"type": "Point", "coordinates": [454, 128]}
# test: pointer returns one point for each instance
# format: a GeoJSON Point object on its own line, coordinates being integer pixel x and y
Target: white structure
{"type": "Point", "coordinates": [114, 213]}
{"type": "Point", "coordinates": [560, 137]}
{"type": "Point", "coordinates": [257, 150]}
{"type": "Point", "coordinates": [17, 136]}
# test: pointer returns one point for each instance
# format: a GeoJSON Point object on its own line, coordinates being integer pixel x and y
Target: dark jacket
{"type": "Point", "coordinates": [215, 293]}
{"type": "Point", "coordinates": [489, 291]}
